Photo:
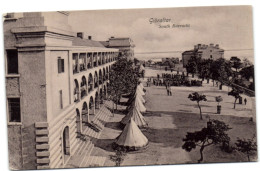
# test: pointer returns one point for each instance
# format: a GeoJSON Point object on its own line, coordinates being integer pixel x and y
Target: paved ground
{"type": "Point", "coordinates": [171, 117]}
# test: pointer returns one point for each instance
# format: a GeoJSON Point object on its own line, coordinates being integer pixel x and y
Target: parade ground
{"type": "Point", "coordinates": [171, 117]}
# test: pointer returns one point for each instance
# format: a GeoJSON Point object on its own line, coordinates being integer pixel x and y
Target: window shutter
{"type": "Point", "coordinates": [62, 65]}
{"type": "Point", "coordinates": [61, 102]}
{"type": "Point", "coordinates": [59, 65]}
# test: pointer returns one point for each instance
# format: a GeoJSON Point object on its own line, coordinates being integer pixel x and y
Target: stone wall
{"type": "Point", "coordinates": [15, 147]}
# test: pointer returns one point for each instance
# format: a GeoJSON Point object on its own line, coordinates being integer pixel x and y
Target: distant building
{"type": "Point", "coordinates": [174, 60]}
{"type": "Point", "coordinates": [204, 52]}
{"type": "Point", "coordinates": [124, 44]}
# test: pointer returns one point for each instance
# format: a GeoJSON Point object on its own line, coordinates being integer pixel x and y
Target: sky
{"type": "Point", "coordinates": [229, 26]}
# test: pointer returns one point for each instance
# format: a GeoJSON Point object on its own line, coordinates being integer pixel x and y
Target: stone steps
{"type": "Point", "coordinates": [95, 161]}
{"type": "Point", "coordinates": [82, 156]}
{"type": "Point", "coordinates": [84, 150]}
{"type": "Point", "coordinates": [98, 121]}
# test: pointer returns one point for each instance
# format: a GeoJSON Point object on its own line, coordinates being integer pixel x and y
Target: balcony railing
{"type": "Point", "coordinates": [89, 65]}
{"type": "Point", "coordinates": [75, 68]}
{"type": "Point", "coordinates": [82, 67]}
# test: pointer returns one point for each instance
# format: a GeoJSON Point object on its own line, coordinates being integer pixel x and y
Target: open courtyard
{"type": "Point", "coordinates": [171, 117]}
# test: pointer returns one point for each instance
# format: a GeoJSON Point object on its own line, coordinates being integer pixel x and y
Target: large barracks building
{"type": "Point", "coordinates": [56, 85]}
{"type": "Point", "coordinates": [203, 51]}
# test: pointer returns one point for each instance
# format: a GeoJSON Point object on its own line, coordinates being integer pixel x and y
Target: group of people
{"type": "Point", "coordinates": [160, 82]}
{"type": "Point", "coordinates": [149, 80]}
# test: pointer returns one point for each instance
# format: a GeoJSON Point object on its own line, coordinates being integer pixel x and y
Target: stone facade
{"type": "Point", "coordinates": [58, 85]}
{"type": "Point", "coordinates": [124, 44]}
{"type": "Point", "coordinates": [204, 52]}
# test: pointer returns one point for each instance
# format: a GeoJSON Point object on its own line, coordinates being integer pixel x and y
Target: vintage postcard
{"type": "Point", "coordinates": [130, 87]}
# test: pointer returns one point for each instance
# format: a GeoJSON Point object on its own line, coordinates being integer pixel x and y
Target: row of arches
{"type": "Point", "coordinates": [87, 85]}
{"type": "Point", "coordinates": [83, 61]}
{"type": "Point", "coordinates": [88, 109]}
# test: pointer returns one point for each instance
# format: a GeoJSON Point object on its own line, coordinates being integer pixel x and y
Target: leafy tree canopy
{"type": "Point", "coordinates": [123, 78]}
{"type": "Point", "coordinates": [197, 97]}
{"type": "Point", "coordinates": [248, 147]}
{"type": "Point", "coordinates": [235, 62]}
{"type": "Point", "coordinates": [214, 133]}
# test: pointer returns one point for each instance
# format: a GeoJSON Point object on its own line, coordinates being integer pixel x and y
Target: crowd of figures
{"type": "Point", "coordinates": [167, 79]}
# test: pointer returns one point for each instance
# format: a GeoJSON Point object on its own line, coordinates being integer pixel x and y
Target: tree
{"type": "Point", "coordinates": [219, 99]}
{"type": "Point", "coordinates": [248, 147]}
{"type": "Point", "coordinates": [247, 72]}
{"type": "Point", "coordinates": [236, 94]}
{"type": "Point", "coordinates": [214, 133]}
{"type": "Point", "coordinates": [246, 62]}
{"type": "Point", "coordinates": [204, 68]}
{"type": "Point", "coordinates": [235, 63]}
{"type": "Point", "coordinates": [224, 71]}
{"type": "Point", "coordinates": [197, 97]}
{"type": "Point", "coordinates": [136, 61]}
{"type": "Point", "coordinates": [122, 79]}
{"type": "Point", "coordinates": [220, 70]}
{"type": "Point", "coordinates": [118, 158]}
{"type": "Point", "coordinates": [191, 66]}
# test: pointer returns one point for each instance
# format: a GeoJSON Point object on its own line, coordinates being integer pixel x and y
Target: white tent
{"type": "Point", "coordinates": [138, 104]}
{"type": "Point", "coordinates": [140, 90]}
{"type": "Point", "coordinates": [136, 116]}
{"type": "Point", "coordinates": [138, 95]}
{"type": "Point", "coordinates": [141, 68]}
{"type": "Point", "coordinates": [141, 85]}
{"type": "Point", "coordinates": [132, 137]}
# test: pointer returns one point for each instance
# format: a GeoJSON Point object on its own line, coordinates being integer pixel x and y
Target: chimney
{"type": "Point", "coordinates": [199, 46]}
{"type": "Point", "coordinates": [9, 15]}
{"type": "Point", "coordinates": [89, 37]}
{"type": "Point", "coordinates": [112, 37]}
{"type": "Point", "coordinates": [80, 35]}
{"type": "Point", "coordinates": [195, 47]}
{"type": "Point", "coordinates": [217, 46]}
{"type": "Point", "coordinates": [211, 44]}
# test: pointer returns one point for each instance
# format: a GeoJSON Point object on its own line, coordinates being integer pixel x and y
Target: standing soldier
{"type": "Point", "coordinates": [245, 100]}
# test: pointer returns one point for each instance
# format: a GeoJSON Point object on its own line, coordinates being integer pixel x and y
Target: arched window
{"type": "Point", "coordinates": [85, 112]}
{"type": "Point", "coordinates": [78, 122]}
{"type": "Point", "coordinates": [66, 142]}
{"type": "Point", "coordinates": [100, 77]}
{"type": "Point", "coordinates": [83, 87]}
{"type": "Point", "coordinates": [90, 83]}
{"type": "Point", "coordinates": [91, 106]}
{"type": "Point", "coordinates": [96, 80]}
{"type": "Point", "coordinates": [97, 100]}
{"type": "Point", "coordinates": [76, 91]}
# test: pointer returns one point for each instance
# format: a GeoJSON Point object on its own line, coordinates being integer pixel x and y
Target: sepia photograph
{"type": "Point", "coordinates": [130, 87]}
